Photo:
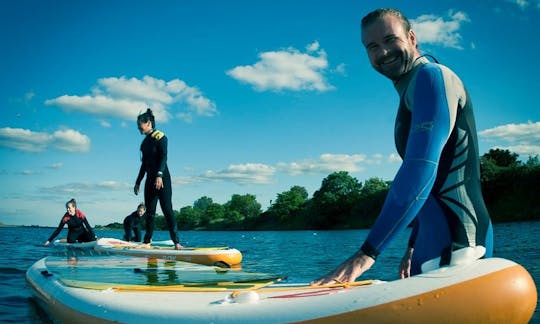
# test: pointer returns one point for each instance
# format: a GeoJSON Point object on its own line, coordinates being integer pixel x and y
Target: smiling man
{"type": "Point", "coordinates": [438, 183]}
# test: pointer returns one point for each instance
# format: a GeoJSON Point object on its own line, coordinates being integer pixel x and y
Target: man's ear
{"type": "Point", "coordinates": [412, 38]}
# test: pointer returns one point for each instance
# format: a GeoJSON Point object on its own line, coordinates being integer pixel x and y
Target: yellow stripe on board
{"type": "Point", "coordinates": [157, 247]}
{"type": "Point", "coordinates": [194, 287]}
{"type": "Point", "coordinates": [236, 287]}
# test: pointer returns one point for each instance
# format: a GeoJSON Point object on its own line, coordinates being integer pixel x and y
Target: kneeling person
{"type": "Point", "coordinates": [132, 224]}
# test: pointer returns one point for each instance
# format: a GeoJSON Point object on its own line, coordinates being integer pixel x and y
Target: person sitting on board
{"type": "Point", "coordinates": [132, 223]}
{"type": "Point", "coordinates": [158, 179]}
{"type": "Point", "coordinates": [438, 183]}
{"type": "Point", "coordinates": [79, 230]}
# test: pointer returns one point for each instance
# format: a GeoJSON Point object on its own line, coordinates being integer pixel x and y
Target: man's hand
{"type": "Point", "coordinates": [136, 189]}
{"type": "Point", "coordinates": [405, 264]}
{"type": "Point", "coordinates": [348, 271]}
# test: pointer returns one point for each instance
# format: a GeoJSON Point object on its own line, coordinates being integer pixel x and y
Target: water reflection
{"type": "Point", "coordinates": [155, 276]}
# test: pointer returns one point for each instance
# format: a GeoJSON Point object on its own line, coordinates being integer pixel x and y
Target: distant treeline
{"type": "Point", "coordinates": [510, 189]}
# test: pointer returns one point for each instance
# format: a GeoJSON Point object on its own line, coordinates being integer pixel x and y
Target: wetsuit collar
{"type": "Point", "coordinates": [402, 83]}
{"type": "Point", "coordinates": [151, 132]}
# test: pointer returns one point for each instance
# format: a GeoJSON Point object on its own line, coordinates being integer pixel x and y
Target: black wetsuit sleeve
{"type": "Point", "coordinates": [162, 146]}
{"type": "Point", "coordinates": [57, 230]}
{"type": "Point", "coordinates": [141, 174]}
{"type": "Point", "coordinates": [131, 220]}
{"type": "Point", "coordinates": [414, 233]}
{"type": "Point", "coordinates": [89, 228]}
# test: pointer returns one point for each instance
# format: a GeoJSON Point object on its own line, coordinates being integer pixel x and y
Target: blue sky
{"type": "Point", "coordinates": [254, 96]}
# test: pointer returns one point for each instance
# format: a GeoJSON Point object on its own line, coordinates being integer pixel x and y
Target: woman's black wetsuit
{"type": "Point", "coordinates": [79, 230]}
{"type": "Point", "coordinates": [154, 162]}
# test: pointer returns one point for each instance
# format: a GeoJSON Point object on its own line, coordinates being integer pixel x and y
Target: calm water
{"type": "Point", "coordinates": [301, 255]}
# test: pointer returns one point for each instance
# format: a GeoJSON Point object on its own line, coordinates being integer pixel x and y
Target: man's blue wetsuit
{"type": "Point", "coordinates": [439, 180]}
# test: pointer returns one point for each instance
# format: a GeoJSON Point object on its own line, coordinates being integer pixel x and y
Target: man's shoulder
{"type": "Point", "coordinates": [438, 68]}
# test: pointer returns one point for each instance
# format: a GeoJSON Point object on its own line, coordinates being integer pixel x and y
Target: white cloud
{"type": "Point", "coordinates": [313, 47]}
{"type": "Point", "coordinates": [87, 188]}
{"type": "Point", "coordinates": [113, 185]}
{"type": "Point", "coordinates": [431, 29]}
{"type": "Point", "coordinates": [523, 149]}
{"type": "Point", "coordinates": [70, 140]}
{"type": "Point", "coordinates": [249, 173]}
{"type": "Point", "coordinates": [340, 69]}
{"type": "Point", "coordinates": [256, 173]}
{"type": "Point", "coordinates": [186, 180]}
{"type": "Point", "coordinates": [25, 99]}
{"type": "Point", "coordinates": [394, 158]}
{"type": "Point", "coordinates": [523, 139]}
{"type": "Point", "coordinates": [522, 4]}
{"type": "Point", "coordinates": [57, 165]}
{"type": "Point", "coordinates": [288, 69]}
{"type": "Point", "coordinates": [23, 139]}
{"type": "Point", "coordinates": [28, 96]}
{"type": "Point", "coordinates": [325, 164]}
{"type": "Point", "coordinates": [126, 98]}
{"type": "Point", "coordinates": [514, 132]}
{"type": "Point", "coordinates": [105, 124]}
{"type": "Point", "coordinates": [188, 118]}
{"type": "Point", "coordinates": [26, 140]}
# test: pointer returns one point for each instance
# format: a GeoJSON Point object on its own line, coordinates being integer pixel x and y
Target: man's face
{"type": "Point", "coordinates": [391, 50]}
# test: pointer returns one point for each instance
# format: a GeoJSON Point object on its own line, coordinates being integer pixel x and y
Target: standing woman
{"type": "Point", "coordinates": [158, 179]}
{"type": "Point", "coordinates": [79, 230]}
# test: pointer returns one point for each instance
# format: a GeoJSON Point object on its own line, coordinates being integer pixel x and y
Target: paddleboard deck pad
{"type": "Point", "coordinates": [105, 290]}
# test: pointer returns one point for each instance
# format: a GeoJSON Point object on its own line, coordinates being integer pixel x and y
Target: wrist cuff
{"type": "Point", "coordinates": [369, 250]}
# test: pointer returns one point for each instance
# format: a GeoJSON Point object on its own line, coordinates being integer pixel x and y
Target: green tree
{"type": "Point", "coordinates": [502, 158]}
{"type": "Point", "coordinates": [334, 201]}
{"type": "Point", "coordinates": [188, 218]}
{"type": "Point", "coordinates": [533, 162]}
{"type": "Point", "coordinates": [488, 169]}
{"type": "Point", "coordinates": [160, 223]}
{"type": "Point", "coordinates": [201, 206]}
{"type": "Point", "coordinates": [215, 214]}
{"type": "Point", "coordinates": [242, 209]}
{"type": "Point", "coordinates": [371, 200]}
{"type": "Point", "coordinates": [510, 188]}
{"type": "Point", "coordinates": [374, 186]}
{"type": "Point", "coordinates": [289, 204]}
{"type": "Point", "coordinates": [202, 203]}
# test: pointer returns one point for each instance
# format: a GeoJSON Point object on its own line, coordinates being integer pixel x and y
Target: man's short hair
{"type": "Point", "coordinates": [379, 13]}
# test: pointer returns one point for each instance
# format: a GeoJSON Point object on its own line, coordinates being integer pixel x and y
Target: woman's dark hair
{"type": "Point", "coordinates": [73, 202]}
{"type": "Point", "coordinates": [146, 117]}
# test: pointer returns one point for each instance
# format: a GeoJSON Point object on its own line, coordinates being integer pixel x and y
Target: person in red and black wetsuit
{"type": "Point", "coordinates": [158, 179]}
{"type": "Point", "coordinates": [132, 224]}
{"type": "Point", "coordinates": [79, 230]}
